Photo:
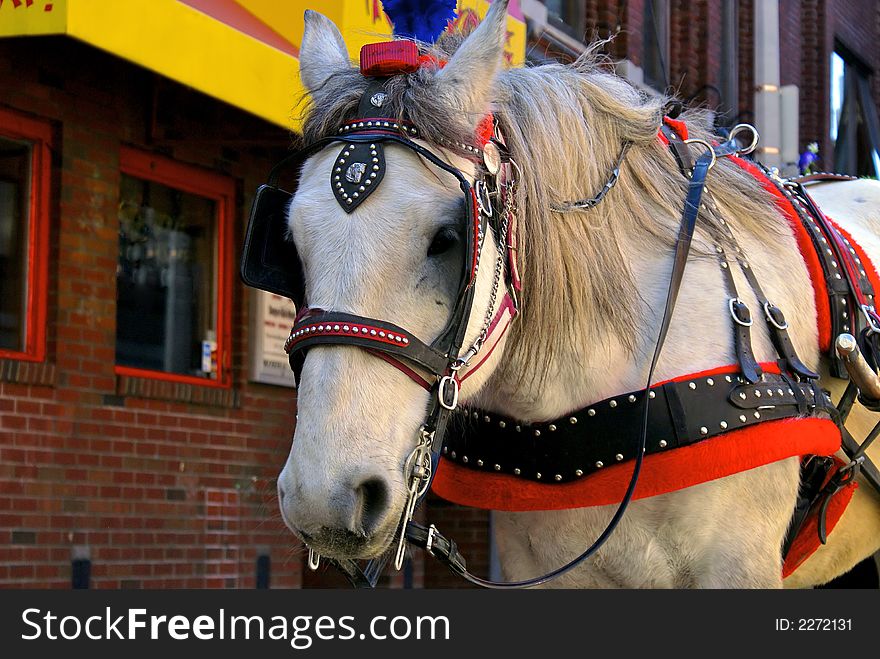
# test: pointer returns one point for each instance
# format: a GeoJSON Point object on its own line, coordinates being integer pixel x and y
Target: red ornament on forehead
{"type": "Point", "coordinates": [389, 58]}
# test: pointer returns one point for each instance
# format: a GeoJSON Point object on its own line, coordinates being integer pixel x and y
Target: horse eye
{"type": "Point", "coordinates": [443, 241]}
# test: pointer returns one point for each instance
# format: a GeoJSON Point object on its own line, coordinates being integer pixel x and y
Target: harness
{"type": "Point", "coordinates": [683, 413]}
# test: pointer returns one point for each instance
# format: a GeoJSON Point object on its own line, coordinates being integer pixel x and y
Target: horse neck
{"type": "Point", "coordinates": [546, 376]}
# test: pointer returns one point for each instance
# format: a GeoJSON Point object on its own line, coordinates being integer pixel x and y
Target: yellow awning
{"type": "Point", "coordinates": [243, 52]}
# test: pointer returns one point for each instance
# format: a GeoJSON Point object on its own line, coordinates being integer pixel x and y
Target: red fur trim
{"type": "Point", "coordinates": [679, 127]}
{"type": "Point", "coordinates": [807, 541]}
{"type": "Point", "coordinates": [704, 461]}
{"type": "Point", "coordinates": [870, 270]}
{"type": "Point", "coordinates": [486, 130]}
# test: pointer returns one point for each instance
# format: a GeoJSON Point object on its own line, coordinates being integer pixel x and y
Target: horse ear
{"type": "Point", "coordinates": [468, 77]}
{"type": "Point", "coordinates": [322, 52]}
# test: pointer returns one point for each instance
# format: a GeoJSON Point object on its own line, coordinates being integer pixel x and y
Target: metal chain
{"type": "Point", "coordinates": [506, 212]}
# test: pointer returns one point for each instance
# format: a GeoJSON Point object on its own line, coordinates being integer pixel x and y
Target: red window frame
{"type": "Point", "coordinates": [221, 189]}
{"type": "Point", "coordinates": [39, 133]}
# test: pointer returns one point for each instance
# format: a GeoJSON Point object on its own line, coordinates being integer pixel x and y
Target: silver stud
{"type": "Point", "coordinates": [479, 463]}
{"type": "Point", "coordinates": [476, 415]}
{"type": "Point", "coordinates": [618, 457]}
{"type": "Point", "coordinates": [445, 450]}
{"type": "Point", "coordinates": [613, 403]}
{"type": "Point", "coordinates": [757, 393]}
{"type": "Point", "coordinates": [727, 378]}
{"type": "Point", "coordinates": [551, 428]}
{"type": "Point", "coordinates": [578, 473]}
{"type": "Point", "coordinates": [487, 419]}
{"type": "Point", "coordinates": [704, 430]}
{"type": "Point", "coordinates": [769, 392]}
{"type": "Point", "coordinates": [590, 412]}
{"type": "Point", "coordinates": [651, 394]}
{"type": "Point", "coordinates": [517, 471]}
{"type": "Point", "coordinates": [538, 475]}
{"type": "Point", "coordinates": [710, 382]}
{"type": "Point", "coordinates": [557, 477]}
{"type": "Point", "coordinates": [348, 201]}
{"type": "Point", "coordinates": [662, 443]}
{"type": "Point", "coordinates": [757, 415]}
{"type": "Point", "coordinates": [362, 188]}
{"type": "Point", "coordinates": [519, 428]}
{"type": "Point", "coordinates": [742, 417]}
{"type": "Point", "coordinates": [501, 424]}
{"type": "Point", "coordinates": [373, 333]}
{"type": "Point", "coordinates": [742, 395]}
{"type": "Point", "coordinates": [464, 458]}
{"type": "Point", "coordinates": [723, 424]}
{"type": "Point", "coordinates": [537, 433]}
{"type": "Point", "coordinates": [452, 455]}
{"type": "Point", "coordinates": [599, 464]}
{"type": "Point", "coordinates": [573, 419]}
{"type": "Point", "coordinates": [497, 467]}
{"type": "Point", "coordinates": [692, 385]}
{"type": "Point", "coordinates": [631, 399]}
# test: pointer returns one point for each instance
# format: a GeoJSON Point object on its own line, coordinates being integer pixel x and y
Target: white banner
{"type": "Point", "coordinates": [271, 319]}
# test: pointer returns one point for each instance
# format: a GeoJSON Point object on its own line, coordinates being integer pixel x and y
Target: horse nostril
{"type": "Point", "coordinates": [373, 497]}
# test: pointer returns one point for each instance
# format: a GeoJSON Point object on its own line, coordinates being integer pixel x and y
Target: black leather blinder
{"type": "Point", "coordinates": [269, 260]}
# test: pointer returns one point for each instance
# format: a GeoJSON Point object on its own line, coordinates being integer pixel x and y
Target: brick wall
{"type": "Point", "coordinates": [163, 491]}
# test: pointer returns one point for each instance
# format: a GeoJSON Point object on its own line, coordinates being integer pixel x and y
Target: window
{"type": "Point", "coordinates": [567, 15]}
{"type": "Point", "coordinates": [25, 163]}
{"type": "Point", "coordinates": [173, 274]}
{"type": "Point", "coordinates": [855, 129]}
{"type": "Point", "coordinates": [655, 43]}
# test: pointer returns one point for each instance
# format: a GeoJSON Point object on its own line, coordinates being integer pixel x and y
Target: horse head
{"type": "Point", "coordinates": [397, 258]}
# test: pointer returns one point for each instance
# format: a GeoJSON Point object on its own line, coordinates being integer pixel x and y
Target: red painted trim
{"type": "Point", "coordinates": [132, 372]}
{"type": "Point", "coordinates": [237, 17]}
{"type": "Point", "coordinates": [221, 189]}
{"type": "Point", "coordinates": [39, 134]}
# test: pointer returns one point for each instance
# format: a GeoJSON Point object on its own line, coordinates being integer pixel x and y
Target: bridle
{"type": "Point", "coordinates": [270, 262]}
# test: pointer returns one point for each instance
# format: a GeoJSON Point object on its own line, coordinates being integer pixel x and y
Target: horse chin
{"type": "Point", "coordinates": [343, 544]}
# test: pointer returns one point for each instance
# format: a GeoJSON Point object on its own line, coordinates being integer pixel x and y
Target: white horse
{"type": "Point", "coordinates": [593, 287]}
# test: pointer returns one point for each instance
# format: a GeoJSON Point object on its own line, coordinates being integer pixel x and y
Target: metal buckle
{"type": "Point", "coordinates": [871, 319]}
{"type": "Point", "coordinates": [418, 469]}
{"type": "Point", "coordinates": [441, 392]}
{"type": "Point", "coordinates": [484, 201]}
{"type": "Point", "coordinates": [756, 137]}
{"type": "Point", "coordinates": [314, 559]}
{"type": "Point", "coordinates": [429, 543]}
{"type": "Point", "coordinates": [768, 307]}
{"type": "Point", "coordinates": [736, 319]}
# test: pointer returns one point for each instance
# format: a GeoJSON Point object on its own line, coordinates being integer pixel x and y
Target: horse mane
{"type": "Point", "coordinates": [565, 126]}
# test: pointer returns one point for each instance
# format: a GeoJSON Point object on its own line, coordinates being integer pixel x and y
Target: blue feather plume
{"type": "Point", "coordinates": [423, 20]}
